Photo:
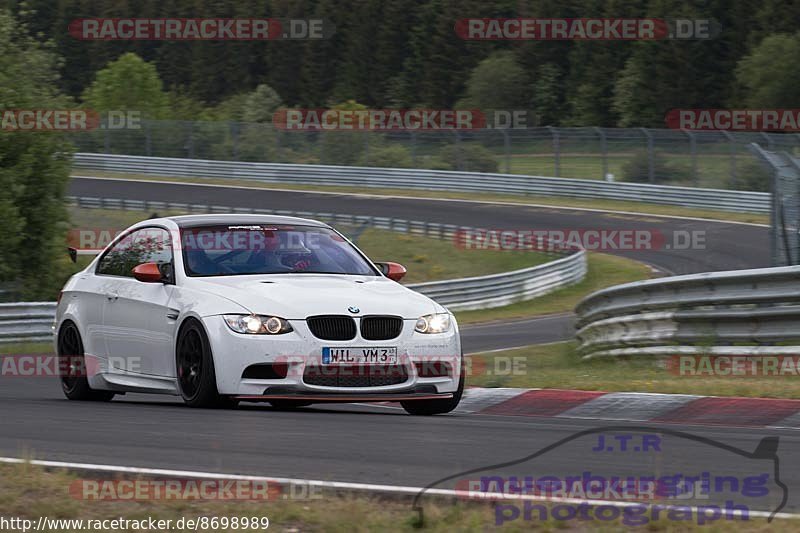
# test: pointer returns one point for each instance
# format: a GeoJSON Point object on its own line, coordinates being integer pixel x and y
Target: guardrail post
{"type": "Point", "coordinates": [651, 156]}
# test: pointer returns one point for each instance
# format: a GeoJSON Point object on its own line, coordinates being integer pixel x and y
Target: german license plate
{"type": "Point", "coordinates": [356, 356]}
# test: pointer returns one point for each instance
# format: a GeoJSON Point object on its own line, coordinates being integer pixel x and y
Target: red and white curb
{"type": "Point", "coordinates": [633, 407]}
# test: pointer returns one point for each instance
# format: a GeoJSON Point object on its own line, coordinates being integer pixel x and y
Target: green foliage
{"type": "Point", "coordinates": [469, 157]}
{"type": "Point", "coordinates": [34, 167]}
{"type": "Point", "coordinates": [404, 53]}
{"type": "Point", "coordinates": [256, 142]}
{"type": "Point", "coordinates": [261, 104]}
{"type": "Point", "coordinates": [770, 75]}
{"type": "Point", "coordinates": [182, 106]}
{"type": "Point", "coordinates": [753, 176]}
{"type": "Point", "coordinates": [547, 94]}
{"type": "Point", "coordinates": [345, 147]}
{"type": "Point", "coordinates": [128, 83]}
{"type": "Point", "coordinates": [637, 169]}
{"type": "Point", "coordinates": [395, 156]}
{"type": "Point", "coordinates": [498, 82]}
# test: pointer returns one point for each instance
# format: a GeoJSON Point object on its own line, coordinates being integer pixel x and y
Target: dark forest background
{"type": "Point", "coordinates": [405, 53]}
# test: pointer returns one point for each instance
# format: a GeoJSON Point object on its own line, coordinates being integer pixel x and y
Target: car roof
{"type": "Point", "coordinates": [187, 221]}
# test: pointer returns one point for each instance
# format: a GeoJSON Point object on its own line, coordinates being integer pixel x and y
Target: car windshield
{"type": "Point", "coordinates": [230, 250]}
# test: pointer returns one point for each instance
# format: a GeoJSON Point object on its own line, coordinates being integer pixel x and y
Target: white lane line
{"type": "Point", "coordinates": [366, 487]}
{"type": "Point", "coordinates": [459, 200]}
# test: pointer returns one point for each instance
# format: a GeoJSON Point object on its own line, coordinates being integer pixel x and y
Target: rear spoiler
{"type": "Point", "coordinates": [74, 253]}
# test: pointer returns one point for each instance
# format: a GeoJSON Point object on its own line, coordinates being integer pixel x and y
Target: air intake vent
{"type": "Point", "coordinates": [355, 376]}
{"type": "Point", "coordinates": [332, 327]}
{"type": "Point", "coordinates": [381, 328]}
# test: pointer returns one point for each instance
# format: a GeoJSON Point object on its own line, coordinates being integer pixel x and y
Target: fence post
{"type": "Point", "coordinates": [769, 141]}
{"type": "Point", "coordinates": [507, 147]}
{"type": "Point", "coordinates": [556, 150]}
{"type": "Point", "coordinates": [414, 149]}
{"type": "Point", "coordinates": [459, 159]}
{"type": "Point", "coordinates": [147, 141]}
{"type": "Point", "coordinates": [651, 156]}
{"type": "Point", "coordinates": [234, 131]}
{"type": "Point", "coordinates": [693, 155]}
{"type": "Point", "coordinates": [190, 139]}
{"type": "Point", "coordinates": [732, 149]}
{"type": "Point", "coordinates": [604, 150]}
{"type": "Point", "coordinates": [106, 141]}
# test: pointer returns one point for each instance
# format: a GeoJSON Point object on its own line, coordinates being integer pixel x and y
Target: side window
{"type": "Point", "coordinates": [144, 245]}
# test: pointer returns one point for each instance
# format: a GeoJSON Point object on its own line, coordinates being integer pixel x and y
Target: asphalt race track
{"type": "Point", "coordinates": [376, 444]}
{"type": "Point", "coordinates": [354, 443]}
{"type": "Point", "coordinates": [728, 246]}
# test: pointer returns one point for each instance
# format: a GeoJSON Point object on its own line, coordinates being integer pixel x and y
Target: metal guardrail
{"type": "Point", "coordinates": [26, 322]}
{"type": "Point", "coordinates": [31, 322]}
{"type": "Point", "coordinates": [740, 312]}
{"type": "Point", "coordinates": [716, 159]}
{"type": "Point", "coordinates": [485, 292]}
{"type": "Point", "coordinates": [421, 179]}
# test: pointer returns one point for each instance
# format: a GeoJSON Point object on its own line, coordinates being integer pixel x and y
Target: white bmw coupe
{"type": "Point", "coordinates": [226, 308]}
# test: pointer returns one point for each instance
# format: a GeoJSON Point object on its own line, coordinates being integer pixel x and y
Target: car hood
{"type": "Point", "coordinates": [297, 296]}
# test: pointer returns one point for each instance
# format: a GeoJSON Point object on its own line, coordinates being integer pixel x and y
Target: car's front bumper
{"type": "Point", "coordinates": [319, 397]}
{"type": "Point", "coordinates": [428, 366]}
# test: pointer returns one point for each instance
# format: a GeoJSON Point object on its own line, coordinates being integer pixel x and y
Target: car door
{"type": "Point", "coordinates": [138, 324]}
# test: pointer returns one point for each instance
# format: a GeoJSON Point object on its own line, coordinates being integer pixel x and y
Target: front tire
{"type": "Point", "coordinates": [197, 381]}
{"type": "Point", "coordinates": [72, 367]}
{"type": "Point", "coordinates": [437, 407]}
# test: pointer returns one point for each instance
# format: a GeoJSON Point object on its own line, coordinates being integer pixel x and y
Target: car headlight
{"type": "Point", "coordinates": [438, 323]}
{"type": "Point", "coordinates": [257, 324]}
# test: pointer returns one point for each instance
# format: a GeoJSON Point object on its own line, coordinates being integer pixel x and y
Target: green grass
{"type": "Point", "coordinates": [26, 348]}
{"type": "Point", "coordinates": [558, 366]}
{"type": "Point", "coordinates": [713, 169]}
{"type": "Point", "coordinates": [427, 259]}
{"type": "Point", "coordinates": [609, 205]}
{"type": "Point", "coordinates": [29, 492]}
{"type": "Point", "coordinates": [604, 271]}
{"type": "Point", "coordinates": [430, 259]}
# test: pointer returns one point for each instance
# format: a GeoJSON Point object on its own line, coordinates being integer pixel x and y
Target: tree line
{"type": "Point", "coordinates": [406, 53]}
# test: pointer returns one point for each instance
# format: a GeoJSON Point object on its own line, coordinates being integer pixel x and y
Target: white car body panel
{"type": "Point", "coordinates": [129, 328]}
